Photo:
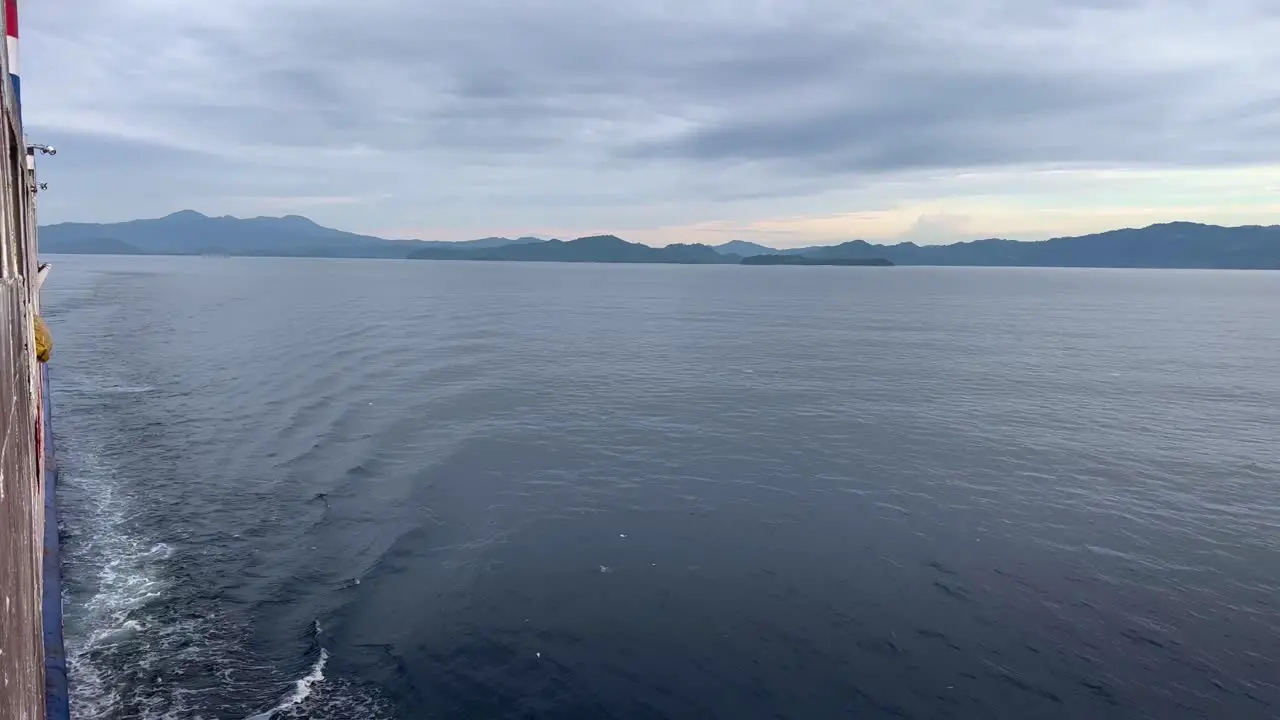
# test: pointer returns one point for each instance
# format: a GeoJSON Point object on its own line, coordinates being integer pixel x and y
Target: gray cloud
{"type": "Point", "coordinates": [579, 104]}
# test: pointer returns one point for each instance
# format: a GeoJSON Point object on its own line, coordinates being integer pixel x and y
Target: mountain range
{"type": "Point", "coordinates": [597, 248]}
{"type": "Point", "coordinates": [1165, 245]}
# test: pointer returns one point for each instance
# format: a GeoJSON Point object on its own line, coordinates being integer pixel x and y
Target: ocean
{"type": "Point", "coordinates": [307, 488]}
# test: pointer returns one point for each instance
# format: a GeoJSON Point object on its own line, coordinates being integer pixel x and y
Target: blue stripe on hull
{"type": "Point", "coordinates": [56, 698]}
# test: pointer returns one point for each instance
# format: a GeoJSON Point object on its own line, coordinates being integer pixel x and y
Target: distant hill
{"type": "Point", "coordinates": [805, 260]}
{"type": "Point", "coordinates": [1166, 245]}
{"type": "Point", "coordinates": [489, 242]}
{"type": "Point", "coordinates": [91, 246]}
{"type": "Point", "coordinates": [742, 248]}
{"type": "Point", "coordinates": [802, 250]}
{"type": "Point", "coordinates": [597, 249]}
{"type": "Point", "coordinates": [190, 233]}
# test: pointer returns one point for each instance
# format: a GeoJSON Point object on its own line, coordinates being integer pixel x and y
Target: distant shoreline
{"type": "Point", "coordinates": [786, 261]}
{"type": "Point", "coordinates": [804, 261]}
{"type": "Point", "coordinates": [1175, 245]}
{"type": "Point", "coordinates": [606, 262]}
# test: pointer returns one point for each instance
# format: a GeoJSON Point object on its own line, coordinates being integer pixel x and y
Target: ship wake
{"type": "Point", "coordinates": [143, 643]}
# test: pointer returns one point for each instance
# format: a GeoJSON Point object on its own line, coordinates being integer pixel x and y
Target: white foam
{"type": "Point", "coordinates": [301, 687]}
{"type": "Point", "coordinates": [126, 578]}
{"type": "Point", "coordinates": [126, 656]}
{"type": "Point", "coordinates": [125, 389]}
{"type": "Point", "coordinates": [302, 690]}
{"type": "Point", "coordinates": [106, 386]}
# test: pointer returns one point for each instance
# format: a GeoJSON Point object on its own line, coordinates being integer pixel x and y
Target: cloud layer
{"type": "Point", "coordinates": [697, 120]}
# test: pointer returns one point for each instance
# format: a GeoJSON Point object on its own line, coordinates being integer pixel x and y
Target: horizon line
{"type": "Point", "coordinates": [287, 216]}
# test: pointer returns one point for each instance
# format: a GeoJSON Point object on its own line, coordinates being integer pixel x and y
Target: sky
{"type": "Point", "coordinates": [788, 122]}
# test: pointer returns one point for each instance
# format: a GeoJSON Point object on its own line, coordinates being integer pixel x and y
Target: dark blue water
{"type": "Point", "coordinates": [361, 489]}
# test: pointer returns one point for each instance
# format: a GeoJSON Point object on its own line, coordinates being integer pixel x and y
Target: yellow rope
{"type": "Point", "coordinates": [44, 341]}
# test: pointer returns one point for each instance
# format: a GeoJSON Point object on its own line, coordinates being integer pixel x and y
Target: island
{"type": "Point", "coordinates": [593, 249]}
{"type": "Point", "coordinates": [805, 260]}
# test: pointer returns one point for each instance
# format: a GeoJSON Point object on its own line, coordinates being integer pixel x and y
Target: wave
{"type": "Point", "coordinates": [316, 696]}
{"type": "Point", "coordinates": [142, 643]}
{"type": "Point", "coordinates": [122, 570]}
{"type": "Point", "coordinates": [301, 689]}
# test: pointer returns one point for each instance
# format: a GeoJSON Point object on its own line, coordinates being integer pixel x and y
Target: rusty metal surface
{"type": "Point", "coordinates": [21, 522]}
{"type": "Point", "coordinates": [21, 488]}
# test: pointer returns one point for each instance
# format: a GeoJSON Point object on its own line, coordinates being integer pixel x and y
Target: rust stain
{"type": "Point", "coordinates": [21, 479]}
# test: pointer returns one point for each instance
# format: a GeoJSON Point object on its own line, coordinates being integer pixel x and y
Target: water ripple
{"type": "Point", "coordinates": [335, 489]}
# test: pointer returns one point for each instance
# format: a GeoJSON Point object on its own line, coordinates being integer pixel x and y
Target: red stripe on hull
{"type": "Point", "coordinates": [11, 17]}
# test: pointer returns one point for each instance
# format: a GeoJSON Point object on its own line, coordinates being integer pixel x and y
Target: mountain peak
{"type": "Point", "coordinates": [744, 248]}
{"type": "Point", "coordinates": [185, 215]}
{"type": "Point", "coordinates": [280, 220]}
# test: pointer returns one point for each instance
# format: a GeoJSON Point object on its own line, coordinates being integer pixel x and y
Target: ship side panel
{"type": "Point", "coordinates": [21, 486]}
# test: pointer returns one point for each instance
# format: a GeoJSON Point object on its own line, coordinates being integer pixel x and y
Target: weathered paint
{"type": "Point", "coordinates": [21, 516]}
{"type": "Point", "coordinates": [22, 676]}
{"type": "Point", "coordinates": [11, 49]}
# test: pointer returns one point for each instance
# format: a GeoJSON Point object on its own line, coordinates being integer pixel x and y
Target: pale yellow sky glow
{"type": "Point", "coordinates": [1022, 205]}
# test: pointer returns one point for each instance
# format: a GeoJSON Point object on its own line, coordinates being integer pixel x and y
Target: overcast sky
{"type": "Point", "coordinates": [787, 122]}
